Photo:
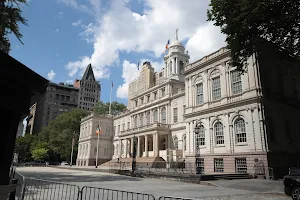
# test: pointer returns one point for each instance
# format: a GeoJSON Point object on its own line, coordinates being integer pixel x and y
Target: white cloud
{"type": "Point", "coordinates": [129, 73]}
{"type": "Point", "coordinates": [77, 23]}
{"type": "Point", "coordinates": [206, 40]}
{"type": "Point", "coordinates": [59, 15]}
{"type": "Point", "coordinates": [51, 75]}
{"type": "Point", "coordinates": [75, 5]}
{"type": "Point", "coordinates": [121, 30]}
{"type": "Point", "coordinates": [69, 81]}
{"type": "Point", "coordinates": [56, 30]}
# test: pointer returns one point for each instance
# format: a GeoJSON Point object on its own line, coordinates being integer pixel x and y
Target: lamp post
{"type": "Point", "coordinates": [134, 154]}
{"type": "Point", "coordinates": [197, 149]}
{"type": "Point", "coordinates": [73, 143]}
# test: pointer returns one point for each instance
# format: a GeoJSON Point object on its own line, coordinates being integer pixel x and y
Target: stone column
{"type": "Point", "coordinates": [125, 149]}
{"type": "Point", "coordinates": [153, 143]}
{"type": "Point", "coordinates": [120, 147]}
{"type": "Point", "coordinates": [138, 147]}
{"type": "Point", "coordinates": [131, 146]}
{"type": "Point", "coordinates": [146, 145]}
{"type": "Point", "coordinates": [156, 152]}
{"type": "Point", "coordinates": [173, 66]}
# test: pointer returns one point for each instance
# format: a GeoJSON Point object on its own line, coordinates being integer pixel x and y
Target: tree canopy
{"type": "Point", "coordinates": [103, 108]}
{"type": "Point", "coordinates": [247, 22]}
{"type": "Point", "coordinates": [23, 147]}
{"type": "Point", "coordinates": [61, 130]}
{"type": "Point", "coordinates": [10, 17]}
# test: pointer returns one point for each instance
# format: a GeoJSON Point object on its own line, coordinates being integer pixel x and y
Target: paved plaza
{"type": "Point", "coordinates": [235, 189]}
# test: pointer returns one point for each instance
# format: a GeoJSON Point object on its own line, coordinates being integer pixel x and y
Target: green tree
{"type": "Point", "coordinates": [23, 147]}
{"type": "Point", "coordinates": [248, 23]}
{"type": "Point", "coordinates": [10, 17]}
{"type": "Point", "coordinates": [103, 108]}
{"type": "Point", "coordinates": [39, 153]}
{"type": "Point", "coordinates": [61, 130]}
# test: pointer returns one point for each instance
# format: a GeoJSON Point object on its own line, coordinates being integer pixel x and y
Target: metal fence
{"type": "Point", "coordinates": [91, 193]}
{"type": "Point", "coordinates": [37, 189]}
{"type": "Point", "coordinates": [294, 170]}
{"type": "Point", "coordinates": [173, 198]}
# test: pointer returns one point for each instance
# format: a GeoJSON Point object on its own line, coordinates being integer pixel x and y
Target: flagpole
{"type": "Point", "coordinates": [97, 146]}
{"type": "Point", "coordinates": [109, 112]}
{"type": "Point", "coordinates": [73, 141]}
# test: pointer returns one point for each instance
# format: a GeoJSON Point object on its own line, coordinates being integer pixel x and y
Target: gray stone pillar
{"type": "Point", "coordinates": [125, 149]}
{"type": "Point", "coordinates": [138, 147]}
{"type": "Point", "coordinates": [146, 145]}
{"type": "Point", "coordinates": [131, 146]}
{"type": "Point", "coordinates": [156, 152]}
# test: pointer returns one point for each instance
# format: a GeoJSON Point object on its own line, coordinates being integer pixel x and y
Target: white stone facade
{"type": "Point", "coordinates": [87, 147]}
{"type": "Point", "coordinates": [225, 105]}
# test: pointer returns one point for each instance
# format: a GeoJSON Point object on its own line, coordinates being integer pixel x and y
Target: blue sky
{"type": "Point", "coordinates": [64, 36]}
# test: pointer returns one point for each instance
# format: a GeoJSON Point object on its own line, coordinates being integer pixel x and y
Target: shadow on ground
{"type": "Point", "coordinates": [69, 177]}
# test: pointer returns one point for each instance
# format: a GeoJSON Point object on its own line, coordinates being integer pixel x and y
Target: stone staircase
{"type": "Point", "coordinates": [140, 161]}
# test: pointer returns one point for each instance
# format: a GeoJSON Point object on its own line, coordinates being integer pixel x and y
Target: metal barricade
{"type": "Point", "coordinates": [21, 185]}
{"type": "Point", "coordinates": [42, 190]}
{"type": "Point", "coordinates": [173, 198]}
{"type": "Point", "coordinates": [294, 170]}
{"type": "Point", "coordinates": [91, 193]}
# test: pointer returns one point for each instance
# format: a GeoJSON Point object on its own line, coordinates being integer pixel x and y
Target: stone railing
{"type": "Point", "coordinates": [145, 127]}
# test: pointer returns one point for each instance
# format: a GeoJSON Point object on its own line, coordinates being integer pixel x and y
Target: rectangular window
{"type": "Point", "coordinates": [148, 98]}
{"type": "Point", "coordinates": [67, 98]}
{"type": "Point", "coordinates": [119, 129]}
{"type": "Point", "coordinates": [136, 103]}
{"type": "Point", "coordinates": [175, 115]}
{"type": "Point", "coordinates": [155, 95]}
{"type": "Point", "coordinates": [216, 88]}
{"type": "Point", "coordinates": [115, 130]}
{"type": "Point", "coordinates": [199, 91]}
{"type": "Point", "coordinates": [219, 165]}
{"type": "Point", "coordinates": [142, 101]}
{"type": "Point", "coordinates": [57, 97]}
{"type": "Point", "coordinates": [123, 128]}
{"type": "Point", "coordinates": [236, 82]}
{"type": "Point", "coordinates": [128, 125]}
{"type": "Point", "coordinates": [163, 91]}
{"type": "Point", "coordinates": [241, 165]}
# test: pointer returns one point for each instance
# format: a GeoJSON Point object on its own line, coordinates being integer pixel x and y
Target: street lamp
{"type": "Point", "coordinates": [197, 149]}
{"type": "Point", "coordinates": [134, 154]}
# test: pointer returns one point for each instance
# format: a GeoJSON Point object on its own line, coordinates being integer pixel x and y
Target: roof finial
{"type": "Point", "coordinates": [176, 34]}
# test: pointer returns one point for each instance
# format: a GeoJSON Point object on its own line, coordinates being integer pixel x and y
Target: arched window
{"type": "Point", "coordinates": [155, 116]}
{"type": "Point", "coordinates": [216, 88]}
{"type": "Point", "coordinates": [135, 122]}
{"type": "Point", "coordinates": [201, 136]}
{"type": "Point", "coordinates": [184, 142]}
{"type": "Point", "coordinates": [122, 148]}
{"type": "Point", "coordinates": [141, 120]}
{"type": "Point", "coordinates": [163, 115]}
{"type": "Point", "coordinates": [199, 93]}
{"type": "Point", "coordinates": [175, 140]}
{"type": "Point", "coordinates": [219, 134]}
{"type": "Point", "coordinates": [236, 82]}
{"type": "Point", "coordinates": [240, 131]}
{"type": "Point", "coordinates": [148, 118]}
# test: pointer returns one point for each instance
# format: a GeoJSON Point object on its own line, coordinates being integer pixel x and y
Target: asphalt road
{"type": "Point", "coordinates": [243, 189]}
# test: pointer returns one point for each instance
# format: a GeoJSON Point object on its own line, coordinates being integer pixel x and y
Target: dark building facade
{"type": "Point", "coordinates": [57, 99]}
{"type": "Point", "coordinates": [60, 98]}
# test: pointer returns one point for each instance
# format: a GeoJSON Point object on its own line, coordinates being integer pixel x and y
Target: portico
{"type": "Point", "coordinates": [148, 145]}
